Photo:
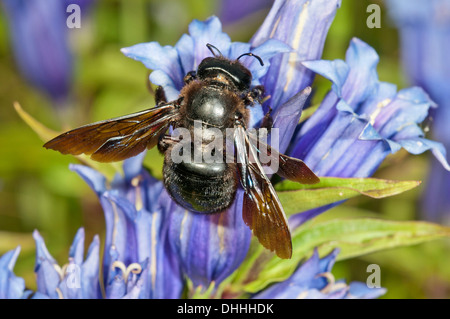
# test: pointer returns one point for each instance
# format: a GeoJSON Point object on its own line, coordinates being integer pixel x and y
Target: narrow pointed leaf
{"type": "Point", "coordinates": [44, 132]}
{"type": "Point", "coordinates": [298, 198]}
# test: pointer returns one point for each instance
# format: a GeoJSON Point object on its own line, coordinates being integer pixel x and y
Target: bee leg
{"type": "Point", "coordinates": [165, 142]}
{"type": "Point", "coordinates": [190, 76]}
{"type": "Point", "coordinates": [267, 121]}
{"type": "Point", "coordinates": [160, 96]}
{"type": "Point", "coordinates": [258, 92]}
{"type": "Point", "coordinates": [255, 94]}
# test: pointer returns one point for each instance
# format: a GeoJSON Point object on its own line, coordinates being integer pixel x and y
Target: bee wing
{"type": "Point", "coordinates": [262, 210]}
{"type": "Point", "coordinates": [290, 168]}
{"type": "Point", "coordinates": [119, 138]}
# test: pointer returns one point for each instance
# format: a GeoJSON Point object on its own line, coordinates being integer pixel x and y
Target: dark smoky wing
{"type": "Point", "coordinates": [290, 168]}
{"type": "Point", "coordinates": [241, 149]}
{"type": "Point", "coordinates": [262, 210]}
{"type": "Point", "coordinates": [263, 213]}
{"type": "Point", "coordinates": [295, 170]}
{"type": "Point", "coordinates": [118, 138]}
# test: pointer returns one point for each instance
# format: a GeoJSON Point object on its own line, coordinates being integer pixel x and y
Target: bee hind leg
{"type": "Point", "coordinates": [267, 121]}
{"type": "Point", "coordinates": [165, 142]}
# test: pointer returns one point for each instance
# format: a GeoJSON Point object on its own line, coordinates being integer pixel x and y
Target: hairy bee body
{"type": "Point", "coordinates": [199, 186]}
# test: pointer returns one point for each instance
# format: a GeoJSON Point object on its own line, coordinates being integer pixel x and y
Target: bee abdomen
{"type": "Point", "coordinates": [200, 187]}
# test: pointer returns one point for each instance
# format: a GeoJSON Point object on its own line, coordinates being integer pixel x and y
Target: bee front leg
{"type": "Point", "coordinates": [190, 76]}
{"type": "Point", "coordinates": [255, 95]}
{"type": "Point", "coordinates": [258, 92]}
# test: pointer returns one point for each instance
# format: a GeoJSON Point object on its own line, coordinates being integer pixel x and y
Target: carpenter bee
{"type": "Point", "coordinates": [217, 95]}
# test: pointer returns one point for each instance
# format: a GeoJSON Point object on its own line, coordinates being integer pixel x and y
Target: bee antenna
{"type": "Point", "coordinates": [253, 55]}
{"type": "Point", "coordinates": [212, 48]}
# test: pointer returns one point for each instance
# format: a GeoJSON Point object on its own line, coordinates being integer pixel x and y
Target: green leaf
{"type": "Point", "coordinates": [354, 237]}
{"type": "Point", "coordinates": [297, 198]}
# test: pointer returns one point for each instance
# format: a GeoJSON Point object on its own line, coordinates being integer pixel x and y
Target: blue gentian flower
{"type": "Point", "coordinates": [424, 29]}
{"type": "Point", "coordinates": [303, 25]}
{"type": "Point", "coordinates": [78, 279]}
{"type": "Point", "coordinates": [137, 217]}
{"type": "Point", "coordinates": [137, 263]}
{"type": "Point", "coordinates": [11, 286]}
{"type": "Point", "coordinates": [313, 280]}
{"type": "Point", "coordinates": [137, 260]}
{"type": "Point", "coordinates": [39, 36]}
{"type": "Point", "coordinates": [360, 121]}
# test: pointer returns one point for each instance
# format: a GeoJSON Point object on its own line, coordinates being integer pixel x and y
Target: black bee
{"type": "Point", "coordinates": [217, 95]}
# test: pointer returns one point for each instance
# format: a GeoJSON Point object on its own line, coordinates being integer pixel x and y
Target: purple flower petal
{"type": "Point", "coordinates": [120, 232]}
{"type": "Point", "coordinates": [133, 166]}
{"type": "Point", "coordinates": [171, 64]}
{"type": "Point", "coordinates": [116, 289]}
{"type": "Point", "coordinates": [287, 116]}
{"type": "Point", "coordinates": [11, 286]}
{"type": "Point", "coordinates": [204, 32]}
{"type": "Point", "coordinates": [309, 282]}
{"type": "Point", "coordinates": [77, 279]}
{"type": "Point", "coordinates": [235, 10]}
{"type": "Point", "coordinates": [135, 233]}
{"type": "Point", "coordinates": [266, 51]}
{"type": "Point", "coordinates": [90, 281]}
{"type": "Point", "coordinates": [362, 291]}
{"type": "Point", "coordinates": [209, 246]}
{"type": "Point", "coordinates": [303, 25]}
{"type": "Point", "coordinates": [38, 295]}
{"type": "Point", "coordinates": [156, 57]}
{"type": "Point", "coordinates": [48, 278]}
{"type": "Point", "coordinates": [76, 251]}
{"type": "Point", "coordinates": [94, 179]}
{"type": "Point", "coordinates": [336, 71]}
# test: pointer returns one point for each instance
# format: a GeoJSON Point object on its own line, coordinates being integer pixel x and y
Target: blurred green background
{"type": "Point", "coordinates": [38, 191]}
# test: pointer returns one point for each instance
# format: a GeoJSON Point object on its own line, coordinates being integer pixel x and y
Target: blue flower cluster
{"type": "Point", "coordinates": [152, 244]}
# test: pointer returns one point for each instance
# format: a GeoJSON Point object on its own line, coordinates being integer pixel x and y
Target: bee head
{"type": "Point", "coordinates": [224, 70]}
